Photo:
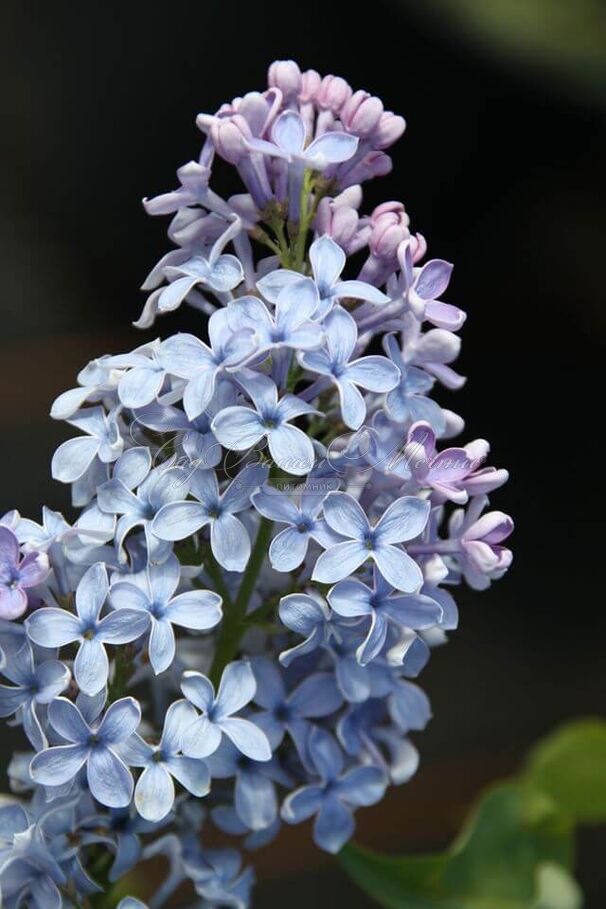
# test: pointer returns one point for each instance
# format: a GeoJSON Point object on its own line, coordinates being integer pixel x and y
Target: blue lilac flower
{"type": "Point", "coordinates": [151, 593]}
{"type": "Point", "coordinates": [308, 616]}
{"type": "Point", "coordinates": [96, 747]}
{"type": "Point", "coordinates": [186, 356]}
{"type": "Point", "coordinates": [155, 790]}
{"type": "Point", "coordinates": [156, 487]}
{"type": "Point", "coordinates": [338, 791]}
{"type": "Point", "coordinates": [35, 683]}
{"type": "Point", "coordinates": [374, 373]}
{"type": "Point", "coordinates": [229, 538]}
{"type": "Point", "coordinates": [240, 428]}
{"type": "Point", "coordinates": [404, 520]}
{"type": "Point", "coordinates": [291, 712]}
{"type": "Point", "coordinates": [32, 872]}
{"type": "Point", "coordinates": [18, 574]}
{"type": "Point", "coordinates": [289, 547]}
{"type": "Point", "coordinates": [52, 627]}
{"type": "Point", "coordinates": [236, 690]}
{"type": "Point", "coordinates": [102, 441]}
{"type": "Point", "coordinates": [219, 879]}
{"type": "Point", "coordinates": [352, 599]}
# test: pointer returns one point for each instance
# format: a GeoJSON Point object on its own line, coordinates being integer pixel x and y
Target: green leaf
{"type": "Point", "coordinates": [570, 766]}
{"type": "Point", "coordinates": [496, 863]}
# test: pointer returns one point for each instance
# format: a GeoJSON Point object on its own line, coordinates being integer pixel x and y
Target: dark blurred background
{"type": "Point", "coordinates": [502, 168]}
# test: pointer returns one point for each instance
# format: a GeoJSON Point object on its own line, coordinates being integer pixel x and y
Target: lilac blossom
{"type": "Point", "coordinates": [217, 718]}
{"type": "Point", "coordinates": [373, 373]}
{"type": "Point", "coordinates": [353, 599]}
{"type": "Point", "coordinates": [404, 520]}
{"type": "Point", "coordinates": [289, 547]}
{"type": "Point", "coordinates": [155, 790]}
{"type": "Point", "coordinates": [96, 747]}
{"type": "Point", "coordinates": [289, 327]}
{"type": "Point", "coordinates": [229, 538]}
{"type": "Point", "coordinates": [102, 440]}
{"type": "Point", "coordinates": [52, 627]}
{"type": "Point", "coordinates": [240, 428]}
{"type": "Point", "coordinates": [18, 574]}
{"type": "Point", "coordinates": [335, 795]}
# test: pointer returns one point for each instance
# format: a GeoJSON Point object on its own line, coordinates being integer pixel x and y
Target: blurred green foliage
{"type": "Point", "coordinates": [516, 850]}
{"type": "Point", "coordinates": [567, 37]}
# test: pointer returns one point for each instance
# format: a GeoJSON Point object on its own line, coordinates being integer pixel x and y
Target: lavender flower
{"type": "Point", "coordinates": [17, 574]}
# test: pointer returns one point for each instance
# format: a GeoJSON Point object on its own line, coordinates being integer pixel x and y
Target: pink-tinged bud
{"type": "Point", "coordinates": [337, 220]}
{"type": "Point", "coordinates": [389, 228]}
{"type": "Point", "coordinates": [285, 75]}
{"type": "Point", "coordinates": [418, 247]}
{"type": "Point", "coordinates": [230, 136]}
{"type": "Point", "coordinates": [389, 129]}
{"type": "Point", "coordinates": [374, 164]}
{"type": "Point", "coordinates": [361, 114]}
{"type": "Point", "coordinates": [333, 93]}
{"type": "Point", "coordinates": [310, 84]}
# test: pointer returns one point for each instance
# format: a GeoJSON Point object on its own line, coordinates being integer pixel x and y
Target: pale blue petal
{"type": "Point", "coordinates": [198, 689]}
{"type": "Point", "coordinates": [122, 626]}
{"type": "Point", "coordinates": [247, 738]}
{"type": "Point", "coordinates": [398, 568]}
{"type": "Point", "coordinates": [339, 562]}
{"type": "Point", "coordinates": [302, 804]}
{"type": "Point", "coordinates": [173, 295]}
{"type": "Point", "coordinates": [275, 505]}
{"type": "Point", "coordinates": [374, 373]}
{"type": "Point", "coordinates": [197, 609]}
{"type": "Point", "coordinates": [92, 592]}
{"type": "Point", "coordinates": [225, 274]}
{"type": "Point", "coordinates": [161, 645]}
{"type": "Point", "coordinates": [236, 690]}
{"type": "Point", "coordinates": [359, 290]}
{"type": "Point", "coordinates": [331, 148]}
{"type": "Point", "coordinates": [255, 799]}
{"type": "Point", "coordinates": [333, 826]}
{"type": "Point", "coordinates": [350, 599]}
{"type": "Point", "coordinates": [325, 754]}
{"type": "Point", "coordinates": [91, 666]}
{"type": "Point", "coordinates": [73, 458]}
{"type": "Point", "coordinates": [237, 495]}
{"type": "Point", "coordinates": [291, 449]}
{"type": "Point", "coordinates": [316, 696]}
{"type": "Point", "coordinates": [230, 542]}
{"type": "Point", "coordinates": [327, 261]}
{"type": "Point", "coordinates": [50, 627]}
{"type": "Point", "coordinates": [288, 132]}
{"type": "Point", "coordinates": [238, 428]}
{"type": "Point", "coordinates": [288, 549]}
{"type": "Point", "coordinates": [178, 520]}
{"type": "Point", "coordinates": [191, 773]}
{"type": "Point", "coordinates": [404, 520]}
{"type": "Point", "coordinates": [201, 739]}
{"type": "Point", "coordinates": [344, 514]}
{"type": "Point", "coordinates": [140, 386]}
{"type": "Point", "coordinates": [362, 786]}
{"type": "Point", "coordinates": [341, 335]}
{"type": "Point", "coordinates": [353, 405]}
{"type": "Point", "coordinates": [57, 766]}
{"type": "Point", "coordinates": [154, 793]}
{"type": "Point", "coordinates": [109, 779]}
{"type": "Point", "coordinates": [67, 720]}
{"type": "Point", "coordinates": [120, 721]}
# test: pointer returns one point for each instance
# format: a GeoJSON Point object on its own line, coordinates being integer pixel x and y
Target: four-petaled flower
{"type": "Point", "coordinates": [155, 790]}
{"type": "Point", "coordinates": [35, 684]}
{"type": "Point", "coordinates": [96, 746]}
{"type": "Point", "coordinates": [239, 428]}
{"type": "Point", "coordinates": [353, 599]}
{"type": "Point", "coordinates": [374, 373]}
{"type": "Point", "coordinates": [404, 520]}
{"type": "Point", "coordinates": [288, 135]}
{"type": "Point", "coordinates": [335, 795]}
{"type": "Point", "coordinates": [236, 690]}
{"type": "Point", "coordinates": [53, 627]}
{"type": "Point", "coordinates": [151, 593]}
{"type": "Point", "coordinates": [229, 538]}
{"type": "Point", "coordinates": [189, 358]}
{"type": "Point", "coordinates": [289, 547]}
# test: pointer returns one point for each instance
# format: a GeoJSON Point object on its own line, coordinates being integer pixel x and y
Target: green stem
{"type": "Point", "coordinates": [234, 620]}
{"type": "Point", "coordinates": [213, 570]}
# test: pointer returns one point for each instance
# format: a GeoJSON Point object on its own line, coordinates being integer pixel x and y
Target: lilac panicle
{"type": "Point", "coordinates": [271, 523]}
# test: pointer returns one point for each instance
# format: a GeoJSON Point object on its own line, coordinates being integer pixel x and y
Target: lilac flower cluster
{"type": "Point", "coordinates": [268, 528]}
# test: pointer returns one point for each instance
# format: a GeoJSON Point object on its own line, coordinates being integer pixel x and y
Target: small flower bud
{"type": "Point", "coordinates": [333, 93]}
{"type": "Point", "coordinates": [361, 114]}
{"type": "Point", "coordinates": [285, 75]}
{"type": "Point", "coordinates": [388, 130]}
{"type": "Point", "coordinates": [230, 135]}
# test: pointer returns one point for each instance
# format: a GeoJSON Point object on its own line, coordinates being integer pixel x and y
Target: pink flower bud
{"type": "Point", "coordinates": [361, 114]}
{"type": "Point", "coordinates": [337, 220]}
{"type": "Point", "coordinates": [388, 130]}
{"type": "Point", "coordinates": [285, 75]}
{"type": "Point", "coordinates": [389, 228]}
{"type": "Point", "coordinates": [230, 136]}
{"type": "Point", "coordinates": [310, 83]}
{"type": "Point", "coordinates": [333, 93]}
